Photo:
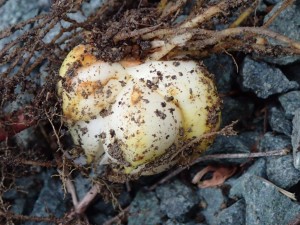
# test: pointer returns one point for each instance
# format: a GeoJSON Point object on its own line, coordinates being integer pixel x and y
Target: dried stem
{"type": "Point", "coordinates": [81, 206]}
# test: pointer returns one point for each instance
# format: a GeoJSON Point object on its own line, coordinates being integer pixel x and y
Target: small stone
{"type": "Point", "coordinates": [82, 184]}
{"type": "Point", "coordinates": [176, 200]}
{"type": "Point", "coordinates": [13, 12]}
{"type": "Point", "coordinates": [235, 109]}
{"type": "Point", "coordinates": [50, 201]}
{"type": "Point", "coordinates": [233, 215]}
{"type": "Point", "coordinates": [281, 171]}
{"type": "Point", "coordinates": [296, 139]}
{"type": "Point", "coordinates": [23, 196]}
{"type": "Point", "coordinates": [257, 169]}
{"type": "Point", "coordinates": [99, 218]}
{"type": "Point", "coordinates": [144, 209]}
{"type": "Point", "coordinates": [224, 70]}
{"type": "Point", "coordinates": [213, 202]}
{"type": "Point", "coordinates": [89, 7]}
{"type": "Point", "coordinates": [265, 204]}
{"type": "Point", "coordinates": [278, 122]}
{"type": "Point", "coordinates": [286, 23]}
{"type": "Point", "coordinates": [290, 103]}
{"type": "Point", "coordinates": [232, 144]}
{"type": "Point", "coordinates": [263, 79]}
{"type": "Point", "coordinates": [18, 206]}
{"type": "Point", "coordinates": [107, 208]}
{"type": "Point", "coordinates": [271, 142]}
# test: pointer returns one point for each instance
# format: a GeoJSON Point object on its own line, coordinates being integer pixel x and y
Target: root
{"type": "Point", "coordinates": [181, 39]}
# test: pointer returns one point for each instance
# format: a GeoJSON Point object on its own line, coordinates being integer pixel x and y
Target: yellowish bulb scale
{"type": "Point", "coordinates": [137, 115]}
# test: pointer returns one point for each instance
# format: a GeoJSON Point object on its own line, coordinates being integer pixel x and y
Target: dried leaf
{"type": "Point", "coordinates": [220, 174]}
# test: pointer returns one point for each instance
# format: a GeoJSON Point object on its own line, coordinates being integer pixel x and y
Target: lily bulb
{"type": "Point", "coordinates": [135, 115]}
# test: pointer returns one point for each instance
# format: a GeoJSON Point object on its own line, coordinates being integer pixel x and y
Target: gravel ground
{"type": "Point", "coordinates": [252, 196]}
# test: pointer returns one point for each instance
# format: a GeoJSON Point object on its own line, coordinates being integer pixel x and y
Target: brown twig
{"type": "Point", "coordinates": [79, 209]}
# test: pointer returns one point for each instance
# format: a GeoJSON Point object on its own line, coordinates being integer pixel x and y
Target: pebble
{"type": "Point", "coordinates": [270, 142]}
{"type": "Point", "coordinates": [235, 109]}
{"type": "Point", "coordinates": [281, 171]}
{"type": "Point", "coordinates": [13, 12]}
{"type": "Point", "coordinates": [24, 195]}
{"type": "Point", "coordinates": [177, 200]}
{"type": "Point", "coordinates": [223, 69]}
{"type": "Point", "coordinates": [275, 208]}
{"type": "Point", "coordinates": [278, 121]}
{"type": "Point", "coordinates": [286, 23]}
{"type": "Point", "coordinates": [263, 79]}
{"type": "Point", "coordinates": [212, 201]}
{"type": "Point", "coordinates": [51, 200]}
{"type": "Point", "coordinates": [233, 215]}
{"type": "Point", "coordinates": [241, 143]}
{"type": "Point", "coordinates": [82, 184]}
{"type": "Point", "coordinates": [258, 168]}
{"type": "Point", "coordinates": [107, 208]}
{"type": "Point", "coordinates": [145, 210]}
{"type": "Point", "coordinates": [290, 103]}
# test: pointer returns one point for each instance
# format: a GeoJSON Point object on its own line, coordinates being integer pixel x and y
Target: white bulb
{"type": "Point", "coordinates": [137, 115]}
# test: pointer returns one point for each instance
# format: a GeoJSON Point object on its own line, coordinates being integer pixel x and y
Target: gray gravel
{"type": "Point", "coordinates": [233, 215]}
{"type": "Point", "coordinates": [223, 69]}
{"type": "Point", "coordinates": [265, 204]}
{"type": "Point", "coordinates": [236, 109]}
{"type": "Point", "coordinates": [232, 144]}
{"type": "Point", "coordinates": [270, 142]}
{"type": "Point", "coordinates": [263, 79]}
{"type": "Point", "coordinates": [290, 103]}
{"type": "Point", "coordinates": [286, 23]}
{"type": "Point", "coordinates": [281, 171]}
{"type": "Point", "coordinates": [176, 200]}
{"type": "Point", "coordinates": [258, 169]}
{"type": "Point", "coordinates": [145, 210]}
{"type": "Point", "coordinates": [50, 200]}
{"type": "Point", "coordinates": [212, 201]}
{"type": "Point", "coordinates": [279, 122]}
{"type": "Point", "coordinates": [14, 11]}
